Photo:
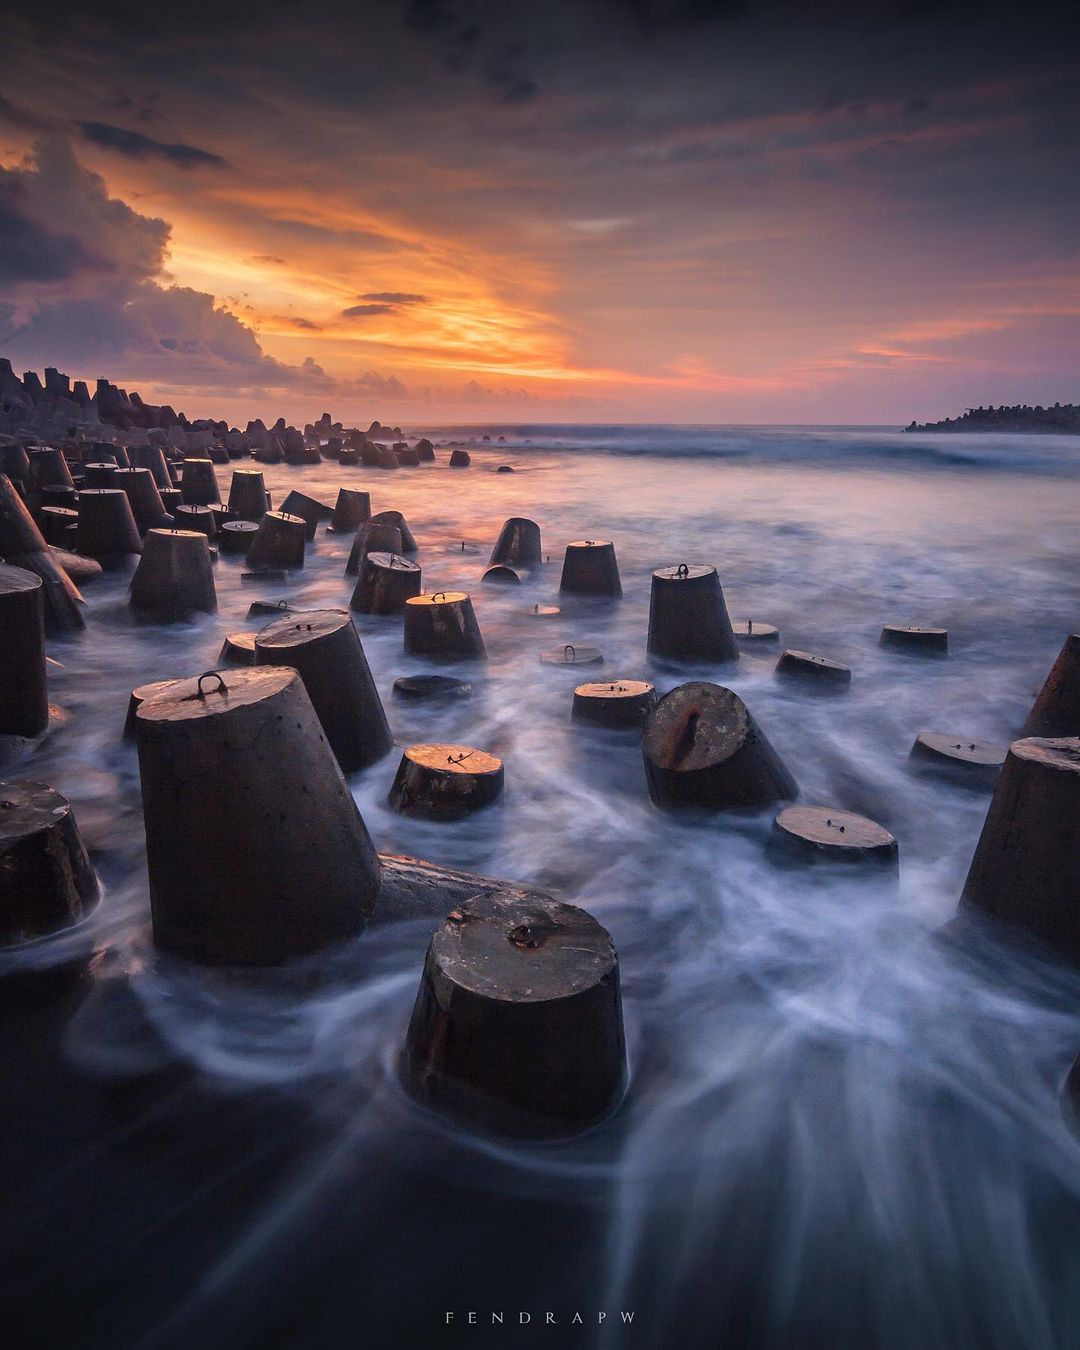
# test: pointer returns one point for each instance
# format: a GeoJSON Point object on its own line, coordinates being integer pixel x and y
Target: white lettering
{"type": "Point", "coordinates": [449, 1318]}
{"type": "Point", "coordinates": [523, 1318]}
{"type": "Point", "coordinates": [496, 1317]}
{"type": "Point", "coordinates": [472, 1319]}
{"type": "Point", "coordinates": [600, 1317]}
{"type": "Point", "coordinates": [627, 1317]}
{"type": "Point", "coordinates": [577, 1318]}
{"type": "Point", "coordinates": [549, 1319]}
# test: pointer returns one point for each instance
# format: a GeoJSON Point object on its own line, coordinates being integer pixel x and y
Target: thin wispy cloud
{"type": "Point", "coordinates": [396, 297]}
{"type": "Point", "coordinates": [137, 145]}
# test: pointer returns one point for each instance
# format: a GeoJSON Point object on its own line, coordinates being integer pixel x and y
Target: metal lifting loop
{"type": "Point", "coordinates": [223, 688]}
{"type": "Point", "coordinates": [435, 598]}
{"type": "Point", "coordinates": [569, 654]}
{"type": "Point", "coordinates": [682, 570]}
{"type": "Point", "coordinates": [283, 604]}
{"type": "Point", "coordinates": [465, 754]}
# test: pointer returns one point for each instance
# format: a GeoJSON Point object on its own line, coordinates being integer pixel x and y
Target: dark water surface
{"type": "Point", "coordinates": [842, 1128]}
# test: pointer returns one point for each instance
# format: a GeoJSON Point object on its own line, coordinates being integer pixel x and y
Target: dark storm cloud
{"type": "Point", "coordinates": [96, 292]}
{"type": "Point", "coordinates": [99, 238]}
{"type": "Point", "coordinates": [29, 250]}
{"type": "Point", "coordinates": [136, 145]}
{"type": "Point", "coordinates": [396, 297]}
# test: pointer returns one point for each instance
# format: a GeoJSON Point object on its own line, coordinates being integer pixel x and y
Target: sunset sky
{"type": "Point", "coordinates": [465, 210]}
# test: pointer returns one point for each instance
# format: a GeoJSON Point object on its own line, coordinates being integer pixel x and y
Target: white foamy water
{"type": "Point", "coordinates": [842, 1128]}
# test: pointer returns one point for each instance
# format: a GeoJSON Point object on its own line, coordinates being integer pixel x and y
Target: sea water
{"type": "Point", "coordinates": [843, 1125]}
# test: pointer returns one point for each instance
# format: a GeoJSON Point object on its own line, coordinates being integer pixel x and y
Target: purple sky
{"type": "Point", "coordinates": [627, 210]}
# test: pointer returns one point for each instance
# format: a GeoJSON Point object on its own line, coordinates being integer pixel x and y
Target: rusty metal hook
{"type": "Point", "coordinates": [223, 688]}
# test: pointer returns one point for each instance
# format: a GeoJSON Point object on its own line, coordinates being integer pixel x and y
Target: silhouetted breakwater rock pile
{"type": "Point", "coordinates": [55, 410]}
{"type": "Point", "coordinates": [1063, 418]}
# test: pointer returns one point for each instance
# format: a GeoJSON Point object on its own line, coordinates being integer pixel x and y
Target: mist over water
{"type": "Point", "coordinates": [843, 1125]}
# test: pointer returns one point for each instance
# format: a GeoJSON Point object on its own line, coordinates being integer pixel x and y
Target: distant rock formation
{"type": "Point", "coordinates": [59, 414]}
{"type": "Point", "coordinates": [1062, 418]}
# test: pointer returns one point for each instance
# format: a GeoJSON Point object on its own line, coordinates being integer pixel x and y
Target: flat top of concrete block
{"type": "Point", "coordinates": [216, 692]}
{"type": "Point", "coordinates": [302, 626]}
{"type": "Point", "coordinates": [394, 561]}
{"type": "Point", "coordinates": [825, 661]}
{"type": "Point", "coordinates": [589, 543]}
{"type": "Point", "coordinates": [15, 579]}
{"type": "Point", "coordinates": [437, 598]}
{"type": "Point", "coordinates": [911, 628]}
{"type": "Point", "coordinates": [464, 759]}
{"type": "Point", "coordinates": [572, 654]}
{"type": "Point", "coordinates": [620, 689]}
{"type": "Point", "coordinates": [753, 628]}
{"type": "Point", "coordinates": [522, 949]}
{"type": "Point", "coordinates": [695, 726]}
{"type": "Point", "coordinates": [431, 686]}
{"type": "Point", "coordinates": [26, 806]}
{"type": "Point", "coordinates": [838, 829]}
{"type": "Point", "coordinates": [185, 536]}
{"type": "Point", "coordinates": [1059, 752]}
{"type": "Point", "coordinates": [683, 572]}
{"type": "Point", "coordinates": [956, 747]}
